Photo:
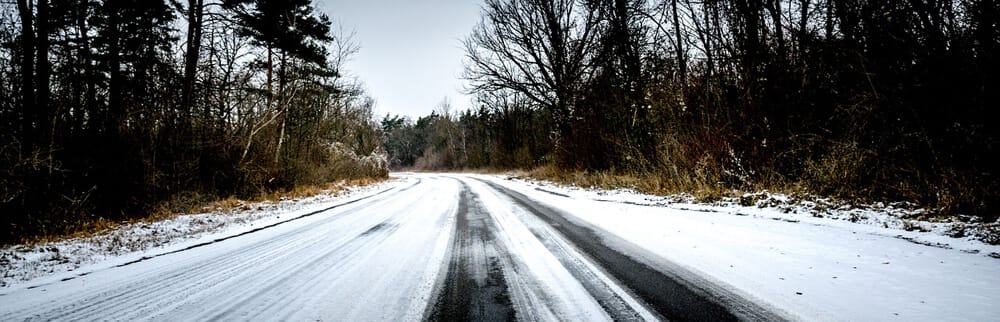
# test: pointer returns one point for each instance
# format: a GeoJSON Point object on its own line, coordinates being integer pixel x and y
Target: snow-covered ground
{"type": "Point", "coordinates": [367, 259]}
{"type": "Point", "coordinates": [900, 220]}
{"type": "Point", "coordinates": [383, 253]}
{"type": "Point", "coordinates": [824, 267]}
{"type": "Point", "coordinates": [65, 258]}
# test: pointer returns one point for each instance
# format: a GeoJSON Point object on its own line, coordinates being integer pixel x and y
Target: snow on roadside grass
{"type": "Point", "coordinates": [50, 261]}
{"type": "Point", "coordinates": [811, 268]}
{"type": "Point", "coordinates": [900, 219]}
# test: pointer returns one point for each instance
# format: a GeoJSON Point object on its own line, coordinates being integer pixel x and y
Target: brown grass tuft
{"type": "Point", "coordinates": [650, 183]}
{"type": "Point", "coordinates": [86, 226]}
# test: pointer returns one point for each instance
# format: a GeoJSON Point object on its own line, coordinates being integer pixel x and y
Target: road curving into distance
{"type": "Point", "coordinates": [436, 247]}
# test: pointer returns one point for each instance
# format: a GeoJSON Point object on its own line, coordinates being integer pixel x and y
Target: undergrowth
{"type": "Point", "coordinates": [189, 203]}
{"type": "Point", "coordinates": [825, 179]}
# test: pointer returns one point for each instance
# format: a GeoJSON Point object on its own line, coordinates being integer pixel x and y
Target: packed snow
{"type": "Point", "coordinates": [811, 267]}
{"type": "Point", "coordinates": [381, 253]}
{"type": "Point", "coordinates": [549, 290]}
{"type": "Point", "coordinates": [374, 258]}
{"type": "Point", "coordinates": [56, 260]}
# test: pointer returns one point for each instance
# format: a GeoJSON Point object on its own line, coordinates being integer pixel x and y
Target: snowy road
{"type": "Point", "coordinates": [438, 247]}
{"type": "Point", "coordinates": [466, 247]}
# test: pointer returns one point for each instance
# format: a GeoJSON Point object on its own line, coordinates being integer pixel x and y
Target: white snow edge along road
{"type": "Point", "coordinates": [805, 267]}
{"type": "Point", "coordinates": [58, 260]}
{"type": "Point", "coordinates": [900, 220]}
{"type": "Point", "coordinates": [809, 267]}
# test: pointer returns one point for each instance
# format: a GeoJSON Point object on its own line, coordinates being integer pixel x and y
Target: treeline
{"type": "Point", "coordinates": [870, 100]}
{"type": "Point", "coordinates": [107, 110]}
{"type": "Point", "coordinates": [505, 137]}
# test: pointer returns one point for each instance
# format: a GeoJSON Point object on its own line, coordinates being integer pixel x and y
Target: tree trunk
{"type": "Point", "coordinates": [705, 33]}
{"type": "Point", "coordinates": [45, 117]}
{"type": "Point", "coordinates": [43, 67]}
{"type": "Point", "coordinates": [116, 110]}
{"type": "Point", "coordinates": [270, 78]}
{"type": "Point", "coordinates": [563, 108]}
{"type": "Point", "coordinates": [27, 74]}
{"type": "Point", "coordinates": [681, 54]}
{"type": "Point", "coordinates": [774, 8]}
{"type": "Point", "coordinates": [90, 98]}
{"type": "Point", "coordinates": [281, 108]}
{"type": "Point", "coordinates": [803, 25]}
{"type": "Point", "coordinates": [987, 53]}
{"type": "Point", "coordinates": [195, 19]}
{"type": "Point", "coordinates": [829, 20]}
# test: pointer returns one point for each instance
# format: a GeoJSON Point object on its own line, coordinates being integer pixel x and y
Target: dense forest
{"type": "Point", "coordinates": [865, 100]}
{"type": "Point", "coordinates": [116, 109]}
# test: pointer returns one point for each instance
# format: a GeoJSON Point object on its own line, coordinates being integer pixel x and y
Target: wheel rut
{"type": "Point", "coordinates": [670, 298]}
{"type": "Point", "coordinates": [475, 288]}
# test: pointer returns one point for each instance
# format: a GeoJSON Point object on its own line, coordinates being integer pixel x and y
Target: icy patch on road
{"type": "Point", "coordinates": [53, 261]}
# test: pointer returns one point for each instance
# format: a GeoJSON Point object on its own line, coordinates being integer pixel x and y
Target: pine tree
{"type": "Point", "coordinates": [294, 29]}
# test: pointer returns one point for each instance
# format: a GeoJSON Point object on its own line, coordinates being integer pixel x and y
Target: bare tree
{"type": "Point", "coordinates": [540, 48]}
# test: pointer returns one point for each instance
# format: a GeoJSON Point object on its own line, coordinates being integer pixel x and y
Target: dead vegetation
{"type": "Point", "coordinates": [190, 204]}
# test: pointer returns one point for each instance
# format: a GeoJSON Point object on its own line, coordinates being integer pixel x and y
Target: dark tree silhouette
{"type": "Point", "coordinates": [102, 123]}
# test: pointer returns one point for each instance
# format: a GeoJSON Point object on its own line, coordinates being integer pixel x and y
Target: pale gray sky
{"type": "Point", "coordinates": [411, 52]}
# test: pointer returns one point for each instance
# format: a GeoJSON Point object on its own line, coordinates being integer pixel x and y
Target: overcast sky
{"type": "Point", "coordinates": [411, 53]}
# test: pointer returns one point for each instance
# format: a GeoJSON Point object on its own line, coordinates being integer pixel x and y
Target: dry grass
{"type": "Point", "coordinates": [312, 190]}
{"type": "Point", "coordinates": [84, 228]}
{"type": "Point", "coordinates": [650, 183]}
{"type": "Point", "coordinates": [191, 203]}
{"type": "Point", "coordinates": [844, 174]}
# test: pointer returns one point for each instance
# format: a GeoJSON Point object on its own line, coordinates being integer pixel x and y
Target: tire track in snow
{"type": "Point", "coordinates": [670, 298]}
{"type": "Point", "coordinates": [286, 263]}
{"type": "Point", "coordinates": [541, 277]}
{"type": "Point", "coordinates": [128, 298]}
{"type": "Point", "coordinates": [592, 278]}
{"type": "Point", "coordinates": [279, 293]}
{"type": "Point", "coordinates": [221, 239]}
{"type": "Point", "coordinates": [609, 298]}
{"type": "Point", "coordinates": [399, 256]}
{"type": "Point", "coordinates": [277, 287]}
{"type": "Point", "coordinates": [475, 288]}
